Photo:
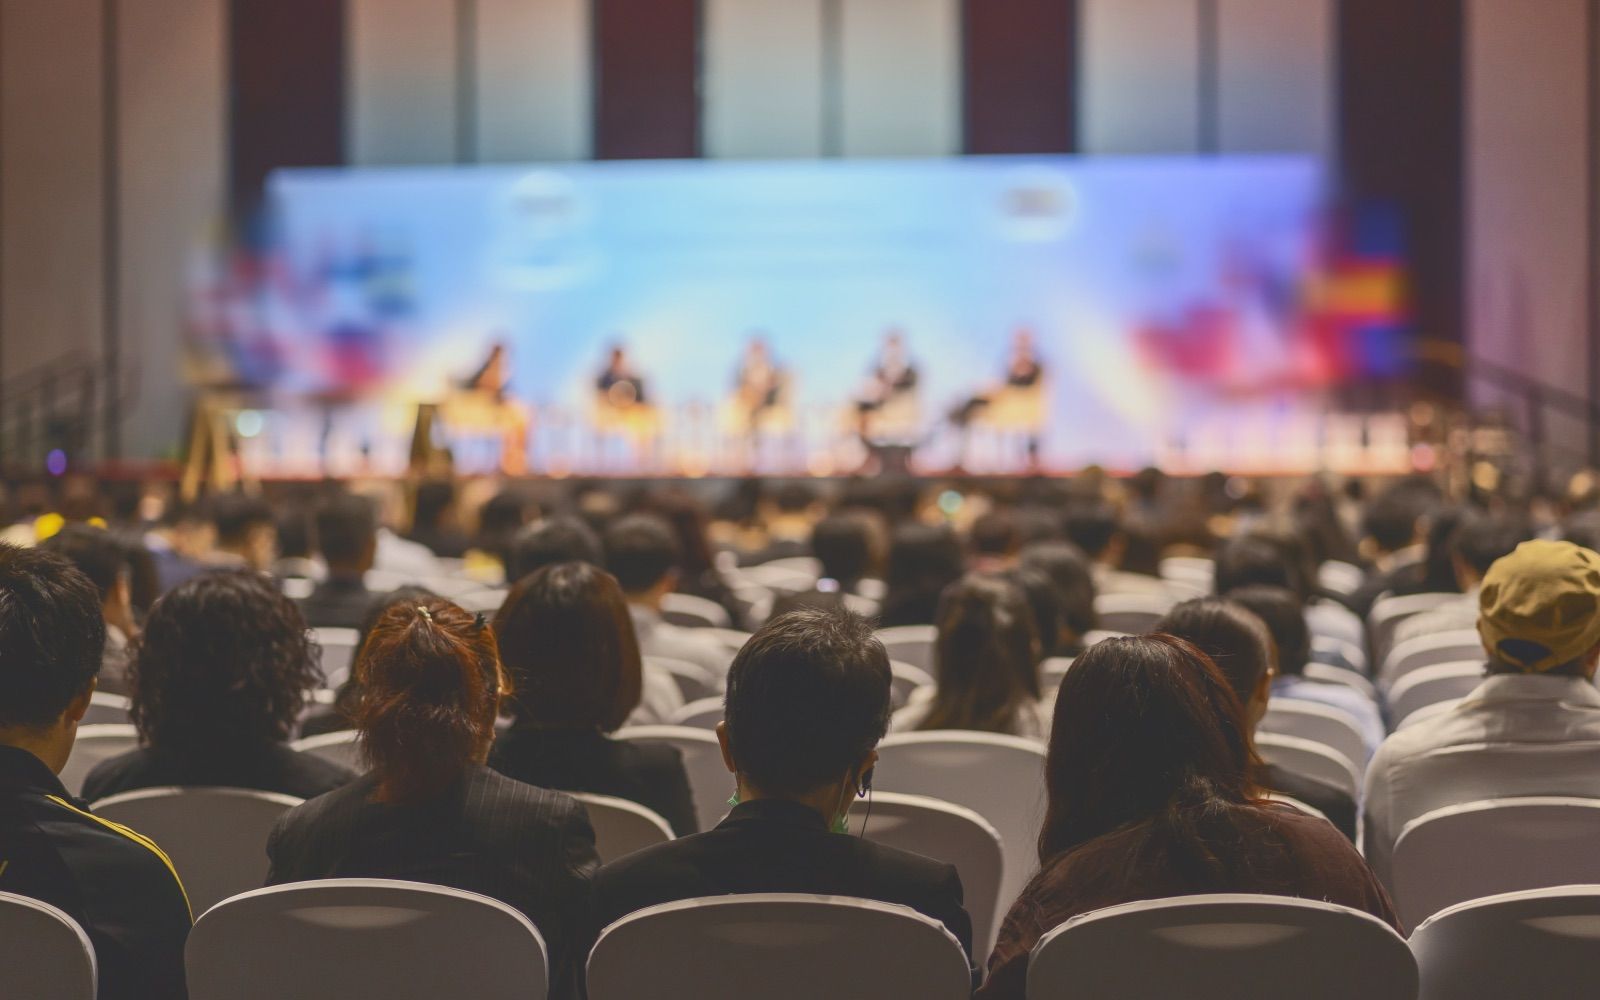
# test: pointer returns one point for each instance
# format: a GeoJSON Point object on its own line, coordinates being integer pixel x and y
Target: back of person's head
{"type": "Point", "coordinates": [1393, 518]}
{"type": "Point", "coordinates": [1539, 610]}
{"type": "Point", "coordinates": [986, 655]}
{"type": "Point", "coordinates": [1480, 540]}
{"type": "Point", "coordinates": [923, 557]}
{"type": "Point", "coordinates": [347, 532]}
{"type": "Point", "coordinates": [567, 641]}
{"type": "Point", "coordinates": [641, 552]}
{"type": "Point", "coordinates": [995, 533]}
{"type": "Point", "coordinates": [794, 498]}
{"type": "Point", "coordinates": [349, 695]}
{"type": "Point", "coordinates": [1069, 573]}
{"type": "Point", "coordinates": [433, 501]}
{"type": "Point", "coordinates": [1146, 730]}
{"type": "Point", "coordinates": [1044, 605]}
{"type": "Point", "coordinates": [431, 685]}
{"type": "Point", "coordinates": [1283, 615]}
{"type": "Point", "coordinates": [1093, 526]}
{"type": "Point", "coordinates": [807, 701]}
{"type": "Point", "coordinates": [842, 543]}
{"type": "Point", "coordinates": [1255, 560]}
{"type": "Point", "coordinates": [558, 539]}
{"type": "Point", "coordinates": [689, 521]}
{"type": "Point", "coordinates": [96, 552]}
{"type": "Point", "coordinates": [1237, 642]}
{"type": "Point", "coordinates": [52, 635]}
{"type": "Point", "coordinates": [238, 517]}
{"type": "Point", "coordinates": [224, 663]}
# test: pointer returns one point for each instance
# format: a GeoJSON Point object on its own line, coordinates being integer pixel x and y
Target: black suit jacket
{"type": "Point", "coordinates": [772, 845]}
{"type": "Point", "coordinates": [273, 768]}
{"type": "Point", "coordinates": [337, 602]}
{"type": "Point", "coordinates": [528, 847]}
{"type": "Point", "coordinates": [583, 760]}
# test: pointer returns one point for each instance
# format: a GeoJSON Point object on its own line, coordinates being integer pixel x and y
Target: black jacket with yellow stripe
{"type": "Point", "coordinates": [117, 884]}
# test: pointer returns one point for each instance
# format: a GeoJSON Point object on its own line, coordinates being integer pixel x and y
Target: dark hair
{"type": "Point", "coordinates": [1391, 519]}
{"type": "Point", "coordinates": [1229, 634]}
{"type": "Point", "coordinates": [641, 550]}
{"type": "Point", "coordinates": [434, 497]}
{"type": "Point", "coordinates": [430, 688]}
{"type": "Point", "coordinates": [499, 520]}
{"type": "Point", "coordinates": [842, 543]}
{"type": "Point", "coordinates": [347, 530]}
{"type": "Point", "coordinates": [1255, 560]}
{"type": "Point", "coordinates": [555, 540]}
{"type": "Point", "coordinates": [235, 515]}
{"type": "Point", "coordinates": [52, 636]}
{"type": "Point", "coordinates": [923, 560]}
{"type": "Point", "coordinates": [96, 552]}
{"type": "Point", "coordinates": [688, 520]}
{"type": "Point", "coordinates": [808, 698]}
{"type": "Point", "coordinates": [224, 661]}
{"type": "Point", "coordinates": [1068, 571]}
{"type": "Point", "coordinates": [1147, 731]}
{"type": "Point", "coordinates": [1483, 539]}
{"type": "Point", "coordinates": [1092, 526]}
{"type": "Point", "coordinates": [793, 498]}
{"type": "Point", "coordinates": [995, 533]}
{"type": "Point", "coordinates": [986, 656]}
{"type": "Point", "coordinates": [1045, 607]}
{"type": "Point", "coordinates": [348, 699]}
{"type": "Point", "coordinates": [1285, 618]}
{"type": "Point", "coordinates": [567, 639]}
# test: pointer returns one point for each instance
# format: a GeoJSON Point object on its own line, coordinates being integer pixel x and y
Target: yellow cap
{"type": "Point", "coordinates": [1540, 605]}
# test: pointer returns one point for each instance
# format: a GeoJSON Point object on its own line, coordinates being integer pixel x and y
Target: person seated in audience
{"type": "Point", "coordinates": [247, 533]}
{"type": "Point", "coordinates": [430, 810]}
{"type": "Point", "coordinates": [642, 553]}
{"type": "Point", "coordinates": [1244, 648]}
{"type": "Point", "coordinates": [807, 703]}
{"type": "Point", "coordinates": [340, 716]}
{"type": "Point", "coordinates": [994, 538]}
{"type": "Point", "coordinates": [500, 519]}
{"type": "Point", "coordinates": [117, 885]}
{"type": "Point", "coordinates": [842, 546]}
{"type": "Point", "coordinates": [1478, 541]}
{"type": "Point", "coordinates": [1531, 728]}
{"type": "Point", "coordinates": [1285, 619]}
{"type": "Point", "coordinates": [180, 544]}
{"type": "Point", "coordinates": [550, 541]}
{"type": "Point", "coordinates": [986, 663]}
{"type": "Point", "coordinates": [923, 560]}
{"type": "Point", "coordinates": [347, 537]}
{"type": "Point", "coordinates": [1151, 794]}
{"type": "Point", "coordinates": [1393, 528]}
{"type": "Point", "coordinates": [435, 521]}
{"type": "Point", "coordinates": [698, 575]}
{"type": "Point", "coordinates": [1095, 528]}
{"type": "Point", "coordinates": [101, 557]}
{"type": "Point", "coordinates": [219, 679]}
{"type": "Point", "coordinates": [393, 553]}
{"type": "Point", "coordinates": [296, 544]}
{"type": "Point", "coordinates": [1260, 559]}
{"type": "Point", "coordinates": [567, 642]}
{"type": "Point", "coordinates": [787, 517]}
{"type": "Point", "coordinates": [1068, 572]}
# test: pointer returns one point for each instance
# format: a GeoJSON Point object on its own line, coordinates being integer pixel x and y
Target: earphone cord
{"type": "Point", "coordinates": [868, 816]}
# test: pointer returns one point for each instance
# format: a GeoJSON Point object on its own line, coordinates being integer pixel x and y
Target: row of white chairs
{"type": "Point", "coordinates": [340, 938]}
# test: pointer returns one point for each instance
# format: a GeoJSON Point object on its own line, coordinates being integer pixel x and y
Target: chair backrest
{"type": "Point", "coordinates": [338, 647]}
{"type": "Point", "coordinates": [1426, 650]}
{"type": "Point", "coordinates": [622, 827]}
{"type": "Point", "coordinates": [1478, 849]}
{"type": "Point", "coordinates": [905, 678]}
{"type": "Point", "coordinates": [1315, 721]}
{"type": "Point", "coordinates": [486, 601]}
{"type": "Point", "coordinates": [702, 713]}
{"type": "Point", "coordinates": [1333, 620]}
{"type": "Point", "coordinates": [946, 832]}
{"type": "Point", "coordinates": [1290, 800]}
{"type": "Point", "coordinates": [1340, 577]}
{"type": "Point", "coordinates": [95, 744]}
{"type": "Point", "coordinates": [342, 748]}
{"type": "Point", "coordinates": [1326, 674]}
{"type": "Point", "coordinates": [1311, 759]}
{"type": "Point", "coordinates": [731, 638]}
{"type": "Point", "coordinates": [911, 644]}
{"type": "Point", "coordinates": [1389, 612]}
{"type": "Point", "coordinates": [340, 939]}
{"type": "Point", "coordinates": [1190, 572]}
{"type": "Point", "coordinates": [709, 780]}
{"type": "Point", "coordinates": [1426, 686]}
{"type": "Point", "coordinates": [1536, 943]}
{"type": "Point", "coordinates": [694, 681]}
{"type": "Point", "coordinates": [1053, 669]}
{"type": "Point", "coordinates": [778, 579]}
{"type": "Point", "coordinates": [45, 955]}
{"type": "Point", "coordinates": [216, 837]}
{"type": "Point", "coordinates": [777, 946]}
{"type": "Point", "coordinates": [1133, 614]}
{"type": "Point", "coordinates": [1223, 947]}
{"type": "Point", "coordinates": [693, 612]}
{"type": "Point", "coordinates": [1001, 778]}
{"type": "Point", "coordinates": [106, 709]}
{"type": "Point", "coordinates": [1332, 649]}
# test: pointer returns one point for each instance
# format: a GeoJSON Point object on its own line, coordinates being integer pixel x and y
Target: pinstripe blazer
{"type": "Point", "coordinates": [525, 846]}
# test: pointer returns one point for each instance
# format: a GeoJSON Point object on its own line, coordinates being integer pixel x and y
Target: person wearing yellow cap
{"type": "Point", "coordinates": [1532, 727]}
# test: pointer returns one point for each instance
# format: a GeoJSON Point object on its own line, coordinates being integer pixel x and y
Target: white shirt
{"type": "Point", "coordinates": [1454, 615]}
{"type": "Point", "coordinates": [1514, 735]}
{"type": "Point", "coordinates": [404, 557]}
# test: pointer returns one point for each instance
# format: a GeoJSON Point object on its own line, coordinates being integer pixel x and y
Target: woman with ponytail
{"type": "Point", "coordinates": [429, 810]}
{"type": "Point", "coordinates": [1150, 796]}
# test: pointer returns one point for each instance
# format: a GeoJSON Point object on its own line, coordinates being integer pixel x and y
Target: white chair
{"type": "Point", "coordinates": [1311, 759]}
{"type": "Point", "coordinates": [1334, 651]}
{"type": "Point", "coordinates": [1333, 620]}
{"type": "Point", "coordinates": [1131, 614]}
{"type": "Point", "coordinates": [95, 744]}
{"type": "Point", "coordinates": [1290, 800]}
{"type": "Point", "coordinates": [1053, 669]}
{"type": "Point", "coordinates": [778, 579]}
{"type": "Point", "coordinates": [106, 709]}
{"type": "Point", "coordinates": [338, 647]}
{"type": "Point", "coordinates": [702, 713]}
{"type": "Point", "coordinates": [1536, 943]}
{"type": "Point", "coordinates": [1340, 577]}
{"type": "Point", "coordinates": [342, 748]}
{"type": "Point", "coordinates": [694, 612]}
{"type": "Point", "coordinates": [216, 837]}
{"type": "Point", "coordinates": [1311, 720]}
{"type": "Point", "coordinates": [777, 946]}
{"type": "Point", "coordinates": [911, 644]}
{"type": "Point", "coordinates": [905, 678]}
{"type": "Point", "coordinates": [1389, 612]}
{"type": "Point", "coordinates": [1001, 778]}
{"type": "Point", "coordinates": [1326, 674]}
{"type": "Point", "coordinates": [341, 939]}
{"type": "Point", "coordinates": [297, 588]}
{"type": "Point", "coordinates": [945, 832]}
{"type": "Point", "coordinates": [484, 601]}
{"type": "Point", "coordinates": [1427, 712]}
{"type": "Point", "coordinates": [1427, 650]}
{"type": "Point", "coordinates": [45, 955]}
{"type": "Point", "coordinates": [1426, 686]}
{"type": "Point", "coordinates": [1192, 573]}
{"type": "Point", "coordinates": [809, 565]}
{"type": "Point", "coordinates": [1478, 849]}
{"type": "Point", "coordinates": [709, 780]}
{"type": "Point", "coordinates": [622, 827]}
{"type": "Point", "coordinates": [1098, 635]}
{"type": "Point", "coordinates": [694, 681]}
{"type": "Point", "coordinates": [733, 639]}
{"type": "Point", "coordinates": [1223, 947]}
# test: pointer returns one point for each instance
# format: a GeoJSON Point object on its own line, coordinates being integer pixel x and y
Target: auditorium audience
{"type": "Point", "coordinates": [1531, 728]}
{"type": "Point", "coordinates": [246, 533]}
{"type": "Point", "coordinates": [643, 554]}
{"type": "Point", "coordinates": [923, 560]}
{"type": "Point", "coordinates": [180, 544]}
{"type": "Point", "coordinates": [1393, 529]}
{"type": "Point", "coordinates": [842, 546]}
{"type": "Point", "coordinates": [787, 516]}
{"type": "Point", "coordinates": [994, 538]}
{"type": "Point", "coordinates": [1479, 540]}
{"type": "Point", "coordinates": [1097, 531]}
{"type": "Point", "coordinates": [218, 680]}
{"type": "Point", "coordinates": [558, 539]}
{"type": "Point", "coordinates": [435, 520]}
{"type": "Point", "coordinates": [567, 643]}
{"type": "Point", "coordinates": [429, 809]}
{"type": "Point", "coordinates": [340, 716]}
{"type": "Point", "coordinates": [1068, 573]}
{"type": "Point", "coordinates": [1150, 795]}
{"type": "Point", "coordinates": [101, 557]}
{"type": "Point", "coordinates": [347, 538]}
{"type": "Point", "coordinates": [807, 703]}
{"type": "Point", "coordinates": [117, 885]}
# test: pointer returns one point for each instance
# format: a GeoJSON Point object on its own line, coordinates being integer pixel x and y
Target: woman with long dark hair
{"type": "Point", "coordinates": [1150, 796]}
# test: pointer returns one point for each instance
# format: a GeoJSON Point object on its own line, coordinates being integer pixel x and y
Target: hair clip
{"type": "Point", "coordinates": [480, 621]}
{"type": "Point", "coordinates": [424, 612]}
